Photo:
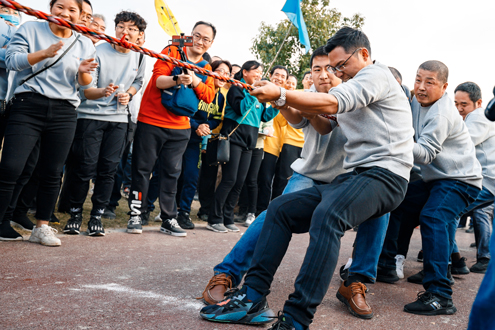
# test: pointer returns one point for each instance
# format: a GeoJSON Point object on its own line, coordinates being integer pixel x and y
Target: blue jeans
{"type": "Point", "coordinates": [237, 262]}
{"type": "Point", "coordinates": [482, 215]}
{"type": "Point", "coordinates": [482, 316]}
{"type": "Point", "coordinates": [437, 204]}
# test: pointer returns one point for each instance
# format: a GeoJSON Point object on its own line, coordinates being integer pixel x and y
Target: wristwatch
{"type": "Point", "coordinates": [281, 101]}
{"type": "Point", "coordinates": [130, 97]}
{"type": "Point", "coordinates": [176, 79]}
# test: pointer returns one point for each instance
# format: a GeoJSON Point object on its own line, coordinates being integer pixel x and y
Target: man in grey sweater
{"type": "Point", "coordinates": [374, 115]}
{"type": "Point", "coordinates": [101, 127]}
{"type": "Point", "coordinates": [451, 181]}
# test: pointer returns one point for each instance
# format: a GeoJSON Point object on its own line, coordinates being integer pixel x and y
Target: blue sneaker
{"type": "Point", "coordinates": [238, 309]}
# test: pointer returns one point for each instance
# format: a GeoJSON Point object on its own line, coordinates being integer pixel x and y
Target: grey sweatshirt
{"type": "Point", "coordinates": [482, 133]}
{"type": "Point", "coordinates": [113, 67]}
{"type": "Point", "coordinates": [58, 82]}
{"type": "Point", "coordinates": [443, 148]}
{"type": "Point", "coordinates": [6, 33]}
{"type": "Point", "coordinates": [375, 116]}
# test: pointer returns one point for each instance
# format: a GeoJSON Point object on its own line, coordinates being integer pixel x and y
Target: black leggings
{"type": "Point", "coordinates": [249, 192]}
{"type": "Point", "coordinates": [228, 191]}
{"type": "Point", "coordinates": [34, 118]}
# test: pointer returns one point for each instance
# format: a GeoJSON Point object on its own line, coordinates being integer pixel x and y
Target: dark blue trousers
{"type": "Point", "coordinates": [190, 174]}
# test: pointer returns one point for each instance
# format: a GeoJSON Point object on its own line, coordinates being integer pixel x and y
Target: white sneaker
{"type": "Point", "coordinates": [45, 235]}
{"type": "Point", "coordinates": [400, 260]}
{"type": "Point", "coordinates": [249, 219]}
{"type": "Point", "coordinates": [158, 217]}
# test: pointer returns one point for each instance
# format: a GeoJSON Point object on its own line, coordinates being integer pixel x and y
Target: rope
{"type": "Point", "coordinates": [122, 43]}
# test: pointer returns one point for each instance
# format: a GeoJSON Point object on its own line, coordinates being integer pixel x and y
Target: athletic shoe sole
{"type": "Point", "coordinates": [96, 234]}
{"type": "Point", "coordinates": [233, 230]}
{"type": "Point", "coordinates": [18, 225]}
{"type": "Point", "coordinates": [71, 232]}
{"type": "Point", "coordinates": [216, 230]}
{"type": "Point", "coordinates": [134, 231]}
{"type": "Point", "coordinates": [262, 317]}
{"type": "Point", "coordinates": [11, 239]}
{"type": "Point", "coordinates": [45, 244]}
{"type": "Point", "coordinates": [343, 300]}
{"type": "Point", "coordinates": [460, 271]}
{"type": "Point", "coordinates": [442, 311]}
{"type": "Point", "coordinates": [172, 233]}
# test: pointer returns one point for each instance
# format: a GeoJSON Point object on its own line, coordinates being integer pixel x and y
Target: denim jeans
{"type": "Point", "coordinates": [482, 215]}
{"type": "Point", "coordinates": [437, 204]}
{"type": "Point", "coordinates": [482, 316]}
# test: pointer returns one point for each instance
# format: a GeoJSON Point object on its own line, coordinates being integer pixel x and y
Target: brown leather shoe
{"type": "Point", "coordinates": [215, 289]}
{"type": "Point", "coordinates": [354, 296]}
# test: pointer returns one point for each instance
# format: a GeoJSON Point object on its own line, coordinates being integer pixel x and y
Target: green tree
{"type": "Point", "coordinates": [322, 22]}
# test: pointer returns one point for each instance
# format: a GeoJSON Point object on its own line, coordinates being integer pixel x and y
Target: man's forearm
{"type": "Point", "coordinates": [319, 103]}
{"type": "Point", "coordinates": [291, 115]}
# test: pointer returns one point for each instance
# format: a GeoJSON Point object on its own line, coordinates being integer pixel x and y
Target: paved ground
{"type": "Point", "coordinates": [149, 281]}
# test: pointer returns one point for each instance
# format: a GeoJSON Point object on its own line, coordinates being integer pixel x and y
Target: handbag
{"type": "Point", "coordinates": [220, 146]}
{"type": "Point", "coordinates": [181, 100]}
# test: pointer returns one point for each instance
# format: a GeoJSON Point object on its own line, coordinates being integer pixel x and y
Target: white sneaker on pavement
{"type": "Point", "coordinates": [400, 260]}
{"type": "Point", "coordinates": [249, 219]}
{"type": "Point", "coordinates": [45, 235]}
{"type": "Point", "coordinates": [158, 218]}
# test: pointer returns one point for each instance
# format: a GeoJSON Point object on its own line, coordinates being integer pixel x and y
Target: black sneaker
{"type": "Point", "coordinates": [134, 225]}
{"type": "Point", "coordinates": [473, 245]}
{"type": "Point", "coordinates": [185, 221]}
{"type": "Point", "coordinates": [431, 304]}
{"type": "Point", "coordinates": [73, 225]}
{"type": "Point", "coordinates": [344, 273]}
{"type": "Point", "coordinates": [420, 256]}
{"type": "Point", "coordinates": [7, 233]}
{"type": "Point", "coordinates": [284, 322]}
{"type": "Point", "coordinates": [481, 266]}
{"type": "Point", "coordinates": [386, 275]}
{"type": "Point", "coordinates": [238, 309]}
{"type": "Point", "coordinates": [459, 267]}
{"type": "Point", "coordinates": [171, 227]}
{"type": "Point", "coordinates": [21, 220]}
{"type": "Point", "coordinates": [54, 220]}
{"type": "Point", "coordinates": [95, 228]}
{"type": "Point", "coordinates": [418, 277]}
{"type": "Point", "coordinates": [145, 218]}
{"type": "Point", "coordinates": [109, 213]}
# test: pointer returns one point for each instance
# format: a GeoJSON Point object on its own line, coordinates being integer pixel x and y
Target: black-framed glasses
{"type": "Point", "coordinates": [205, 40]}
{"type": "Point", "coordinates": [341, 67]}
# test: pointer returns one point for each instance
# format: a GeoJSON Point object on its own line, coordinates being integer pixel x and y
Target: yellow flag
{"type": "Point", "coordinates": [166, 18]}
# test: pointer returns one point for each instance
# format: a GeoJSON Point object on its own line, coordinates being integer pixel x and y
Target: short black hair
{"type": "Point", "coordinates": [291, 75]}
{"type": "Point", "coordinates": [320, 51]}
{"type": "Point", "coordinates": [306, 73]}
{"type": "Point", "coordinates": [216, 64]}
{"type": "Point", "coordinates": [395, 73]}
{"type": "Point", "coordinates": [350, 39]}
{"type": "Point", "coordinates": [207, 57]}
{"type": "Point", "coordinates": [248, 66]}
{"type": "Point", "coordinates": [279, 67]}
{"type": "Point", "coordinates": [129, 16]}
{"type": "Point", "coordinates": [237, 65]}
{"type": "Point", "coordinates": [89, 3]}
{"type": "Point", "coordinates": [213, 28]}
{"type": "Point", "coordinates": [472, 89]}
{"type": "Point", "coordinates": [436, 66]}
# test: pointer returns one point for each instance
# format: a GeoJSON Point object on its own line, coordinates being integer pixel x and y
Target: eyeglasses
{"type": "Point", "coordinates": [341, 67]}
{"type": "Point", "coordinates": [130, 29]}
{"type": "Point", "coordinates": [96, 26]}
{"type": "Point", "coordinates": [223, 72]}
{"type": "Point", "coordinates": [205, 40]}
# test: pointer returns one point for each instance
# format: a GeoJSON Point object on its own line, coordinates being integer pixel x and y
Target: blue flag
{"type": "Point", "coordinates": [292, 9]}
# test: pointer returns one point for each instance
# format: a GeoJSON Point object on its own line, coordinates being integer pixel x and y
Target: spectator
{"type": "Point", "coordinates": [307, 80]}
{"type": "Point", "coordinates": [99, 25]}
{"type": "Point", "coordinates": [291, 83]}
{"type": "Point", "coordinates": [53, 95]}
{"type": "Point", "coordinates": [243, 116]}
{"type": "Point", "coordinates": [162, 135]}
{"type": "Point", "coordinates": [86, 13]}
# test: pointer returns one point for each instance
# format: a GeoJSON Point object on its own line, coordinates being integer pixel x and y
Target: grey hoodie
{"type": "Point", "coordinates": [444, 149]}
{"type": "Point", "coordinates": [58, 82]}
{"type": "Point", "coordinates": [6, 34]}
{"type": "Point", "coordinates": [375, 117]}
{"type": "Point", "coordinates": [482, 133]}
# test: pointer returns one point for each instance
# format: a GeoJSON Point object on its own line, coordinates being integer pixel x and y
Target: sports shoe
{"type": "Point", "coordinates": [481, 266]}
{"type": "Point", "coordinates": [217, 228]}
{"type": "Point", "coordinates": [232, 228]}
{"type": "Point", "coordinates": [73, 225]}
{"type": "Point", "coordinates": [418, 277]}
{"type": "Point", "coordinates": [386, 275]}
{"type": "Point", "coordinates": [216, 288]}
{"type": "Point", "coordinates": [284, 322]}
{"type": "Point", "coordinates": [109, 213]}
{"type": "Point", "coordinates": [249, 219]}
{"type": "Point", "coordinates": [344, 273]}
{"type": "Point", "coordinates": [134, 225]}
{"type": "Point", "coordinates": [7, 233]}
{"type": "Point", "coordinates": [429, 303]}
{"type": "Point", "coordinates": [354, 297]}
{"type": "Point", "coordinates": [238, 309]}
{"type": "Point", "coordinates": [171, 227]}
{"type": "Point", "coordinates": [21, 220]}
{"type": "Point", "coordinates": [420, 256]}
{"type": "Point", "coordinates": [459, 267]}
{"type": "Point", "coordinates": [240, 218]}
{"type": "Point", "coordinates": [158, 218]}
{"type": "Point", "coordinates": [185, 221]}
{"type": "Point", "coordinates": [203, 216]}
{"type": "Point", "coordinates": [473, 245]}
{"type": "Point", "coordinates": [95, 228]}
{"type": "Point", "coordinates": [45, 235]}
{"type": "Point", "coordinates": [145, 218]}
{"type": "Point", "coordinates": [400, 260]}
{"type": "Point", "coordinates": [54, 220]}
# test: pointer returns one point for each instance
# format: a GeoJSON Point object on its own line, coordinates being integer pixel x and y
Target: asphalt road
{"type": "Point", "coordinates": [149, 281]}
